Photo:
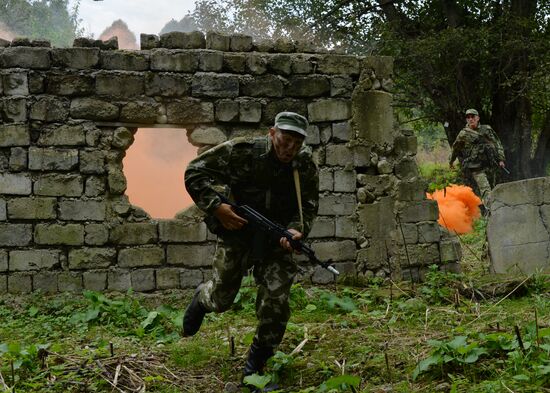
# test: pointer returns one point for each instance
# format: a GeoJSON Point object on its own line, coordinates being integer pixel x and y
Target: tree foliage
{"type": "Point", "coordinates": [46, 19]}
{"type": "Point", "coordinates": [450, 55]}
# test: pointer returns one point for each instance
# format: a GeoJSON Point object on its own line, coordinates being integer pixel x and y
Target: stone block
{"type": "Point", "coordinates": [53, 184]}
{"type": "Point", "coordinates": [339, 155]}
{"type": "Point", "coordinates": [262, 86]}
{"type": "Point", "coordinates": [210, 61]}
{"type": "Point", "coordinates": [69, 84]}
{"type": "Point", "coordinates": [450, 251]}
{"type": "Point", "coordinates": [382, 66]}
{"type": "Point", "coordinates": [120, 84]}
{"type": "Point", "coordinates": [56, 234]}
{"type": "Point", "coordinates": [374, 257]}
{"type": "Point", "coordinates": [406, 169]}
{"type": "Point", "coordinates": [95, 186]}
{"type": "Point", "coordinates": [18, 159]}
{"type": "Point", "coordinates": [124, 60]}
{"type": "Point", "coordinates": [93, 109]}
{"type": "Point", "coordinates": [377, 219]}
{"type": "Point", "coordinates": [234, 62]}
{"type": "Point", "coordinates": [406, 145]}
{"type": "Point", "coordinates": [122, 138]}
{"type": "Point", "coordinates": [82, 210]}
{"type": "Point", "coordinates": [134, 233]}
{"type": "Point", "coordinates": [65, 135]}
{"type": "Point", "coordinates": [25, 57]}
{"type": "Point", "coordinates": [168, 278]}
{"type": "Point", "coordinates": [15, 84]}
{"type": "Point", "coordinates": [227, 111]}
{"type": "Point", "coordinates": [143, 280]}
{"type": "Point", "coordinates": [302, 64]}
{"type": "Point", "coordinates": [378, 184]}
{"type": "Point", "coordinates": [78, 58]}
{"type": "Point", "coordinates": [331, 109]}
{"type": "Point", "coordinates": [15, 184]}
{"type": "Point", "coordinates": [118, 280]}
{"type": "Point", "coordinates": [3, 211]}
{"type": "Point", "coordinates": [144, 112]}
{"type": "Point", "coordinates": [409, 232]}
{"type": "Point", "coordinates": [313, 135]}
{"type": "Point", "coordinates": [420, 255]}
{"type": "Point", "coordinates": [280, 64]}
{"type": "Point", "coordinates": [45, 282]}
{"type": "Point", "coordinates": [250, 111]}
{"type": "Point", "coordinates": [419, 211]}
{"type": "Point", "coordinates": [308, 86]}
{"type": "Point", "coordinates": [322, 276]}
{"type": "Point", "coordinates": [341, 132]}
{"type": "Point", "coordinates": [339, 64]}
{"type": "Point", "coordinates": [240, 43]}
{"type": "Point", "coordinates": [178, 231]}
{"type": "Point", "coordinates": [24, 260]}
{"type": "Point", "coordinates": [189, 110]}
{"type": "Point", "coordinates": [14, 135]}
{"type": "Point", "coordinates": [207, 136]}
{"type": "Point", "coordinates": [256, 63]}
{"type": "Point", "coordinates": [191, 278]}
{"type": "Point", "coordinates": [373, 116]}
{"type": "Point", "coordinates": [414, 190]}
{"type": "Point", "coordinates": [273, 107]}
{"type": "Point", "coordinates": [20, 283]}
{"type": "Point", "coordinates": [116, 181]}
{"type": "Point", "coordinates": [335, 250]}
{"type": "Point", "coordinates": [69, 282]}
{"type": "Point", "coordinates": [143, 256]}
{"type": "Point", "coordinates": [13, 110]}
{"type": "Point", "coordinates": [183, 40]}
{"type": "Point", "coordinates": [91, 258]}
{"type": "Point", "coordinates": [189, 255]}
{"type": "Point", "coordinates": [217, 41]}
{"type": "Point", "coordinates": [528, 191]}
{"type": "Point", "coordinates": [428, 232]}
{"type": "Point", "coordinates": [174, 60]}
{"type": "Point", "coordinates": [52, 159]}
{"type": "Point", "coordinates": [326, 179]}
{"type": "Point", "coordinates": [96, 234]}
{"type": "Point", "coordinates": [322, 227]}
{"type": "Point", "coordinates": [337, 205]}
{"type": "Point", "coordinates": [341, 86]}
{"type": "Point", "coordinates": [92, 161]}
{"type": "Point", "coordinates": [15, 235]}
{"type": "Point", "coordinates": [149, 41]}
{"type": "Point", "coordinates": [344, 181]}
{"type": "Point", "coordinates": [215, 85]}
{"type": "Point", "coordinates": [167, 84]}
{"type": "Point", "coordinates": [3, 261]}
{"type": "Point", "coordinates": [3, 284]}
{"type": "Point", "coordinates": [33, 208]}
{"type": "Point", "coordinates": [346, 227]}
{"type": "Point", "coordinates": [95, 280]}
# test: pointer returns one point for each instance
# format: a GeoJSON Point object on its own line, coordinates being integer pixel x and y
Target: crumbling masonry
{"type": "Point", "coordinates": [69, 114]}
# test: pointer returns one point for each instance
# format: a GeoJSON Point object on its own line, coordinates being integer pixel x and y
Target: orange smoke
{"type": "Point", "coordinates": [6, 33]}
{"type": "Point", "coordinates": [154, 167]}
{"type": "Point", "coordinates": [119, 29]}
{"type": "Point", "coordinates": [458, 207]}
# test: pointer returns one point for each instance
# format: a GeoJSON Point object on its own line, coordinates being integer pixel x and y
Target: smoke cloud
{"type": "Point", "coordinates": [154, 167]}
{"type": "Point", "coordinates": [5, 32]}
{"type": "Point", "coordinates": [458, 208]}
{"type": "Point", "coordinates": [119, 29]}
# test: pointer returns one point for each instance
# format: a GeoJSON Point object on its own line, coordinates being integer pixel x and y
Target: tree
{"type": "Point", "coordinates": [45, 19]}
{"type": "Point", "coordinates": [449, 55]}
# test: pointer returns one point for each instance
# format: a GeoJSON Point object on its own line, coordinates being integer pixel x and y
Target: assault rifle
{"type": "Point", "coordinates": [272, 228]}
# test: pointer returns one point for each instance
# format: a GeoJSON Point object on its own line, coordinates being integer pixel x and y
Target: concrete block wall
{"type": "Point", "coordinates": [69, 114]}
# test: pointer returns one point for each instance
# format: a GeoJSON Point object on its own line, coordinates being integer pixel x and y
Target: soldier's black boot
{"type": "Point", "coordinates": [194, 315]}
{"type": "Point", "coordinates": [255, 363]}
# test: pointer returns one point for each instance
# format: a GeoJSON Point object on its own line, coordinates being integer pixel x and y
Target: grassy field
{"type": "Point", "coordinates": [453, 333]}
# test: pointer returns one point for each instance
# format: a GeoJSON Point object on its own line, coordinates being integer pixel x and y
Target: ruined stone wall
{"type": "Point", "coordinates": [69, 114]}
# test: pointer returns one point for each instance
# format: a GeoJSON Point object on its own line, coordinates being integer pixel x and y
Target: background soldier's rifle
{"type": "Point", "coordinates": [272, 228]}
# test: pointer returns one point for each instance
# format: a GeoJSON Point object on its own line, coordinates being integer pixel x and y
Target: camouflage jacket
{"type": "Point", "coordinates": [255, 177]}
{"type": "Point", "coordinates": [478, 148]}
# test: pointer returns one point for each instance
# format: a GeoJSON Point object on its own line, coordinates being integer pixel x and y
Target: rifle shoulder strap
{"type": "Point", "coordinates": [298, 196]}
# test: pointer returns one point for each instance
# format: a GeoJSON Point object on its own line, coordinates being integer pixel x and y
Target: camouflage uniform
{"type": "Point", "coordinates": [479, 150]}
{"type": "Point", "coordinates": [249, 168]}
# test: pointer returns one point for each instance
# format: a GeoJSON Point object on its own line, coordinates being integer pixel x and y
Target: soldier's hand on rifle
{"type": "Point", "coordinates": [501, 164]}
{"type": "Point", "coordinates": [229, 219]}
{"type": "Point", "coordinates": [285, 244]}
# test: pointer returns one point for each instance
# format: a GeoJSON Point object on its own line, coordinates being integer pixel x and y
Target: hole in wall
{"type": "Point", "coordinates": [154, 167]}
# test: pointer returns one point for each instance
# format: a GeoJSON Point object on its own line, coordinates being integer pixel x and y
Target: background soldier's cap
{"type": "Point", "coordinates": [291, 121]}
{"type": "Point", "coordinates": [472, 112]}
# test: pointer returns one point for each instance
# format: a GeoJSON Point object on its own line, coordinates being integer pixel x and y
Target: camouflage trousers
{"type": "Point", "coordinates": [483, 185]}
{"type": "Point", "coordinates": [274, 275]}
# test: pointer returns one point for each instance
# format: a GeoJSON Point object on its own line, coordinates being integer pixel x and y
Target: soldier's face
{"type": "Point", "coordinates": [472, 120]}
{"type": "Point", "coordinates": [285, 144]}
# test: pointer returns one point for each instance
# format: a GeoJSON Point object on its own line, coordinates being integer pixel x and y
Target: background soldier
{"type": "Point", "coordinates": [479, 149]}
{"type": "Point", "coordinates": [259, 172]}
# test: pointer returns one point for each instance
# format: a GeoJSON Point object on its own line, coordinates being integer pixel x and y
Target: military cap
{"type": "Point", "coordinates": [472, 112]}
{"type": "Point", "coordinates": [290, 121]}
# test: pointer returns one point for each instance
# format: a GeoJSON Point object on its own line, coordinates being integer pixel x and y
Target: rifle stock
{"type": "Point", "coordinates": [265, 224]}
